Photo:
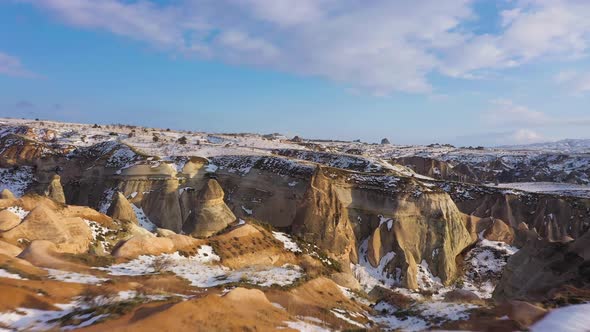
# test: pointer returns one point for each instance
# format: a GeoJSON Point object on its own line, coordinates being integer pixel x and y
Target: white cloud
{"type": "Point", "coordinates": [381, 45]}
{"type": "Point", "coordinates": [531, 30]}
{"type": "Point", "coordinates": [12, 66]}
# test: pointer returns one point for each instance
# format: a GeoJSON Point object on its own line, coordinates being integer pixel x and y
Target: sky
{"type": "Point", "coordinates": [465, 72]}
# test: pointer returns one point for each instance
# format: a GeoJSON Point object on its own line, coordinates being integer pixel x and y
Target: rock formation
{"type": "Point", "coordinates": [55, 190]}
{"type": "Point", "coordinates": [70, 235]}
{"type": "Point", "coordinates": [323, 219]}
{"type": "Point", "coordinates": [121, 209]}
{"type": "Point", "coordinates": [162, 205]}
{"type": "Point", "coordinates": [429, 228]}
{"type": "Point", "coordinates": [499, 231]}
{"type": "Point", "coordinates": [210, 214]}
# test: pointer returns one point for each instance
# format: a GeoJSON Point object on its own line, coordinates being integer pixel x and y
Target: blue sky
{"type": "Point", "coordinates": [464, 72]}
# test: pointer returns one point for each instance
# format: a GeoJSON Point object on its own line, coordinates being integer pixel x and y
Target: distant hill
{"type": "Point", "coordinates": [566, 145]}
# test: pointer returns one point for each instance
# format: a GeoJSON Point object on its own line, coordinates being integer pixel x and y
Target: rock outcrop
{"type": "Point", "coordinates": [9, 249]}
{"type": "Point", "coordinates": [430, 229]}
{"type": "Point", "coordinates": [524, 313]}
{"type": "Point", "coordinates": [55, 190]}
{"type": "Point", "coordinates": [46, 254]}
{"type": "Point", "coordinates": [121, 209]}
{"type": "Point", "coordinates": [421, 224]}
{"type": "Point", "coordinates": [462, 296]}
{"type": "Point", "coordinates": [6, 194]}
{"type": "Point", "coordinates": [323, 219]}
{"type": "Point", "coordinates": [71, 235]}
{"type": "Point", "coordinates": [210, 214]}
{"type": "Point", "coordinates": [143, 245]}
{"type": "Point", "coordinates": [162, 205]}
{"type": "Point", "coordinates": [8, 220]}
{"type": "Point", "coordinates": [499, 231]}
{"type": "Point", "coordinates": [541, 266]}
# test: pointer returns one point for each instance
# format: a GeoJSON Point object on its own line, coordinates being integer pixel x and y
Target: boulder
{"type": "Point", "coordinates": [525, 313]}
{"type": "Point", "coordinates": [462, 296]}
{"type": "Point", "coordinates": [121, 209]}
{"type": "Point", "coordinates": [239, 295]}
{"type": "Point", "coordinates": [143, 245]}
{"type": "Point", "coordinates": [211, 214]}
{"type": "Point", "coordinates": [346, 280]}
{"type": "Point", "coordinates": [6, 194]}
{"type": "Point", "coordinates": [8, 220]}
{"type": "Point", "coordinates": [45, 254]}
{"type": "Point", "coordinates": [136, 230]}
{"type": "Point", "coordinates": [71, 235]}
{"type": "Point", "coordinates": [9, 249]}
{"type": "Point", "coordinates": [164, 232]}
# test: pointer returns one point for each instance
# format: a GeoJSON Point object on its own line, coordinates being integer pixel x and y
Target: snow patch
{"type": "Point", "coordinates": [369, 276]}
{"type": "Point", "coordinates": [287, 241]}
{"type": "Point", "coordinates": [73, 277]}
{"type": "Point", "coordinates": [573, 318]}
{"type": "Point", "coordinates": [202, 271]}
{"type": "Point", "coordinates": [20, 212]}
{"type": "Point", "coordinates": [143, 219]}
{"type": "Point", "coordinates": [6, 274]}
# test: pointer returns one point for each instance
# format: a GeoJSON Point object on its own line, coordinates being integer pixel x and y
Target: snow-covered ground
{"type": "Point", "coordinates": [16, 180]}
{"type": "Point", "coordinates": [560, 158]}
{"type": "Point", "coordinates": [203, 270]}
{"type": "Point", "coordinates": [73, 277]}
{"type": "Point", "coordinates": [143, 219]}
{"type": "Point", "coordinates": [142, 139]}
{"type": "Point", "coordinates": [27, 319]}
{"type": "Point", "coordinates": [9, 275]}
{"type": "Point", "coordinates": [484, 266]}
